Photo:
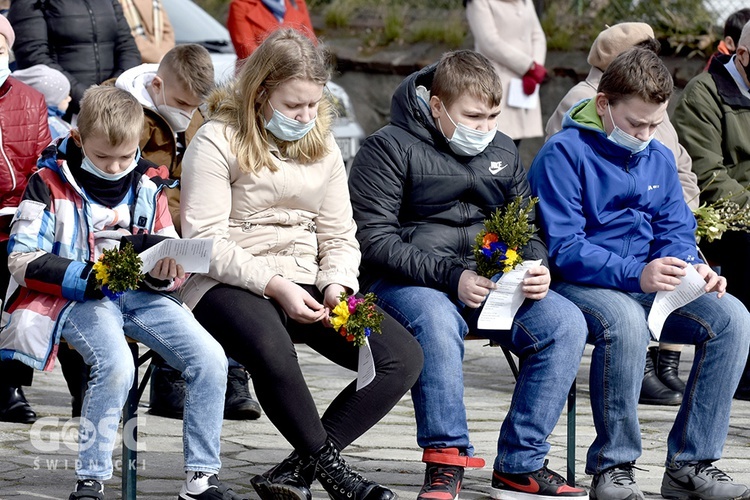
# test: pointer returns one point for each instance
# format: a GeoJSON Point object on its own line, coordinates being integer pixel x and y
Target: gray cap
{"type": "Point", "coordinates": [46, 80]}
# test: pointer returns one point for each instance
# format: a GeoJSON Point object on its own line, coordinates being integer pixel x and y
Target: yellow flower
{"type": "Point", "coordinates": [340, 315]}
{"type": "Point", "coordinates": [510, 261]}
{"type": "Point", "coordinates": [102, 273]}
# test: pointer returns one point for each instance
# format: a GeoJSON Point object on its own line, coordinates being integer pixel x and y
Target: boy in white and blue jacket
{"type": "Point", "coordinates": [618, 230]}
{"type": "Point", "coordinates": [91, 190]}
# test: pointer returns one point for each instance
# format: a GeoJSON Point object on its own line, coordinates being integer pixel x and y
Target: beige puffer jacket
{"type": "Point", "coordinates": [295, 222]}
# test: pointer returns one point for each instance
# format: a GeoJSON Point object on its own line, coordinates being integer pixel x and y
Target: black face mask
{"type": "Point", "coordinates": [745, 67]}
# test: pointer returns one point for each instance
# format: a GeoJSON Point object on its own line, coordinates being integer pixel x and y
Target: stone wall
{"type": "Point", "coordinates": [370, 80]}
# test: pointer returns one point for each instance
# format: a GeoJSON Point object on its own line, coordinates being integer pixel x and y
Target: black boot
{"type": "Point", "coordinates": [667, 369]}
{"type": "Point", "coordinates": [341, 482]}
{"type": "Point", "coordinates": [653, 392]}
{"type": "Point", "coordinates": [238, 403]}
{"type": "Point", "coordinates": [167, 396]}
{"type": "Point", "coordinates": [290, 480]}
{"type": "Point", "coordinates": [14, 407]}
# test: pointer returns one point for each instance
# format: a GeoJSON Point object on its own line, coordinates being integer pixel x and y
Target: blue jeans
{"type": "Point", "coordinates": [618, 330]}
{"type": "Point", "coordinates": [97, 330]}
{"type": "Point", "coordinates": [548, 336]}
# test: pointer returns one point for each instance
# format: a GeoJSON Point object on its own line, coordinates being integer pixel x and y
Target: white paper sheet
{"type": "Point", "coordinates": [690, 288]}
{"type": "Point", "coordinates": [365, 366]}
{"type": "Point", "coordinates": [194, 255]}
{"type": "Point", "coordinates": [517, 98]}
{"type": "Point", "coordinates": [502, 303]}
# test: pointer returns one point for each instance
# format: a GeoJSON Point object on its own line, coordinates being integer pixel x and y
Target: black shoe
{"type": "Point", "coordinates": [653, 392]}
{"type": "Point", "coordinates": [88, 488]}
{"type": "Point", "coordinates": [167, 398]}
{"type": "Point", "coordinates": [441, 482]}
{"type": "Point", "coordinates": [667, 368]}
{"type": "Point", "coordinates": [541, 483]}
{"type": "Point", "coordinates": [289, 480]}
{"type": "Point", "coordinates": [216, 491]}
{"type": "Point", "coordinates": [238, 403]}
{"type": "Point", "coordinates": [14, 407]}
{"type": "Point", "coordinates": [341, 482]}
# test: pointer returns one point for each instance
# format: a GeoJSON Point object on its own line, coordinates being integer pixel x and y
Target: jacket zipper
{"type": "Point", "coordinates": [9, 164]}
{"type": "Point", "coordinates": [96, 40]}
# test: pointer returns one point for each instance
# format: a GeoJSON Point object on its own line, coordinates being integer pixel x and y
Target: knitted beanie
{"type": "Point", "coordinates": [50, 82]}
{"type": "Point", "coordinates": [7, 31]}
{"type": "Point", "coordinates": [615, 40]}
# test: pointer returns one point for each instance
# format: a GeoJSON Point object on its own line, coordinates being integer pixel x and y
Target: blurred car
{"type": "Point", "coordinates": [192, 24]}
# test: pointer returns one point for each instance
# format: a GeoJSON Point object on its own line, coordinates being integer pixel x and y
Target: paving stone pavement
{"type": "Point", "coordinates": [38, 461]}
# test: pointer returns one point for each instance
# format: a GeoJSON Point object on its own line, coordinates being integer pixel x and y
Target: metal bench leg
{"type": "Point", "coordinates": [130, 427]}
{"type": "Point", "coordinates": [571, 426]}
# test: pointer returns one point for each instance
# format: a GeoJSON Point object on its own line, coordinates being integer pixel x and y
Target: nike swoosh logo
{"type": "Point", "coordinates": [532, 487]}
{"type": "Point", "coordinates": [688, 485]}
{"type": "Point", "coordinates": [496, 168]}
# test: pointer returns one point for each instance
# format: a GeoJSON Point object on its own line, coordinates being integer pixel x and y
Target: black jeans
{"type": "Point", "coordinates": [256, 332]}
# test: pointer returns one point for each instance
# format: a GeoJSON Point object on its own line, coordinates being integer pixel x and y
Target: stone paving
{"type": "Point", "coordinates": [38, 461]}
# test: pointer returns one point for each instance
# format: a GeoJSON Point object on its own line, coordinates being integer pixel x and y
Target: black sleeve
{"type": "Point", "coordinates": [376, 183]}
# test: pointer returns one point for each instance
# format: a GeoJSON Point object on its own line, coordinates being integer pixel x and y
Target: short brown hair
{"type": "Point", "coordinates": [191, 65]}
{"type": "Point", "coordinates": [637, 73]}
{"type": "Point", "coordinates": [465, 71]}
{"type": "Point", "coordinates": [111, 112]}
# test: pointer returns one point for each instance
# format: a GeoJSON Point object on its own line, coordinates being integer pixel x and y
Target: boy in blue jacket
{"type": "Point", "coordinates": [618, 230]}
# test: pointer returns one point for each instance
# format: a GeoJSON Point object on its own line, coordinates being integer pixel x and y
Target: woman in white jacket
{"type": "Point", "coordinates": [509, 34]}
{"type": "Point", "coordinates": [265, 179]}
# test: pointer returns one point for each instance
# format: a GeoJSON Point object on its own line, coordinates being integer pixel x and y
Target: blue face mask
{"type": "Point", "coordinates": [288, 129]}
{"type": "Point", "coordinates": [467, 141]}
{"type": "Point", "coordinates": [4, 69]}
{"type": "Point", "coordinates": [88, 166]}
{"type": "Point", "coordinates": [622, 138]}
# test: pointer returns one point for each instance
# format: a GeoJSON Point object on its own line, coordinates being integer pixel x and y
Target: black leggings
{"type": "Point", "coordinates": [258, 334]}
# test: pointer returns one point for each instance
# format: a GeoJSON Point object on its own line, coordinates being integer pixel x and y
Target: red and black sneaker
{"type": "Point", "coordinates": [441, 482]}
{"type": "Point", "coordinates": [536, 485]}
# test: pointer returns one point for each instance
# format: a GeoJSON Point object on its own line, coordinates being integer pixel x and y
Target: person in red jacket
{"type": "Point", "coordinates": [250, 21]}
{"type": "Point", "coordinates": [24, 133]}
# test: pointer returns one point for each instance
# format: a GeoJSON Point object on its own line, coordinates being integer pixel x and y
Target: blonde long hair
{"type": "Point", "coordinates": [285, 55]}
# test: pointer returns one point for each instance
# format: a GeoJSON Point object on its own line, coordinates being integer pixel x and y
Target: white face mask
{"type": "Point", "coordinates": [4, 68]}
{"type": "Point", "coordinates": [88, 166]}
{"type": "Point", "coordinates": [288, 129]}
{"type": "Point", "coordinates": [178, 119]}
{"type": "Point", "coordinates": [622, 138]}
{"type": "Point", "coordinates": [467, 141]}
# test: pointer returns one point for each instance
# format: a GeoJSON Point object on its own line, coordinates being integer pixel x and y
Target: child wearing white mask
{"type": "Point", "coordinates": [171, 93]}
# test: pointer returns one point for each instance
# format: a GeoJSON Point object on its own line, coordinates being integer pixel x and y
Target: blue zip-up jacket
{"type": "Point", "coordinates": [605, 212]}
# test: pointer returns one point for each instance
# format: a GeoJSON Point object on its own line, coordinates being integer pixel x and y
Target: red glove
{"type": "Point", "coordinates": [529, 84]}
{"type": "Point", "coordinates": [533, 76]}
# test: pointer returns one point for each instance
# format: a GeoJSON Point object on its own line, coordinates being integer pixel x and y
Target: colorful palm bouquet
{"type": "Point", "coordinates": [498, 245]}
{"type": "Point", "coordinates": [118, 271]}
{"type": "Point", "coordinates": [356, 318]}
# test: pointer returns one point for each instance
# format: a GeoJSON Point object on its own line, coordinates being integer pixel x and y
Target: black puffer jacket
{"type": "Point", "coordinates": [418, 206]}
{"type": "Point", "coordinates": [88, 40]}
